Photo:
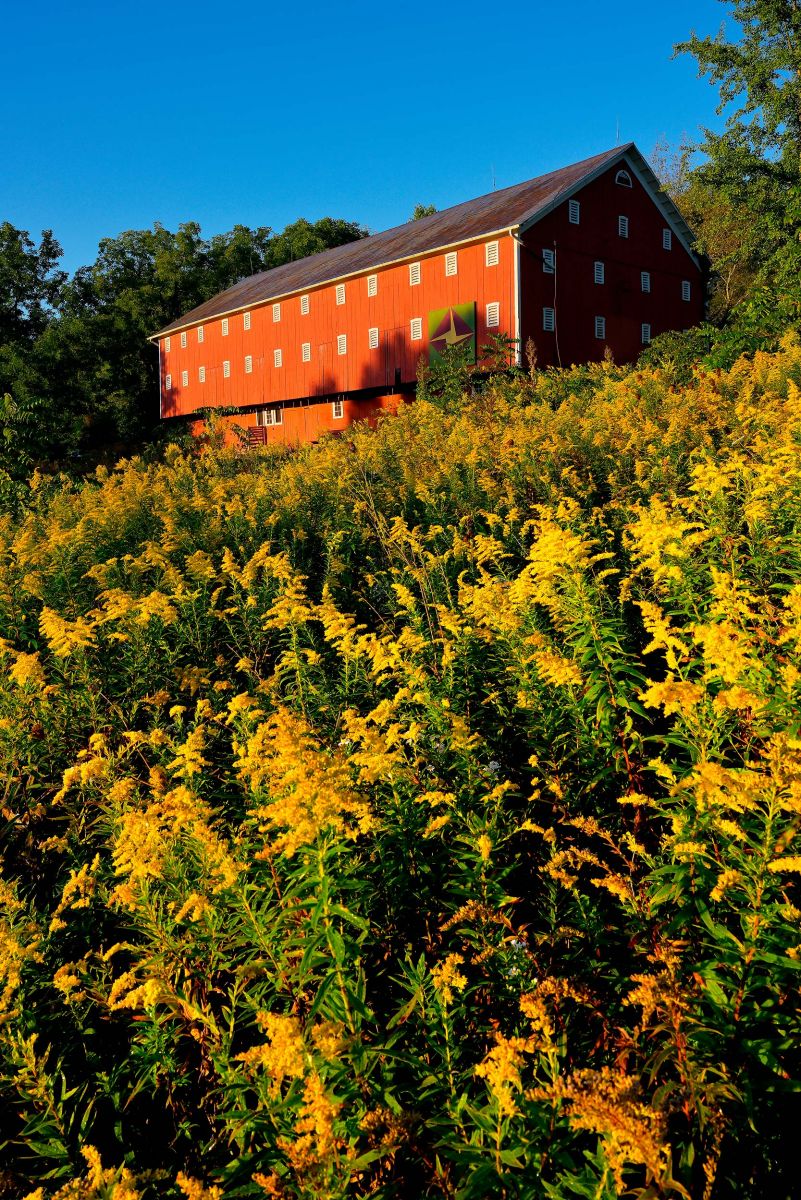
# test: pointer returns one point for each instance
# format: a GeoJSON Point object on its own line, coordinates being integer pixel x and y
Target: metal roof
{"type": "Point", "coordinates": [509, 208]}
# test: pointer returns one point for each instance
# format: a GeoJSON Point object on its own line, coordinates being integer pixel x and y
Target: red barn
{"type": "Point", "coordinates": [592, 256]}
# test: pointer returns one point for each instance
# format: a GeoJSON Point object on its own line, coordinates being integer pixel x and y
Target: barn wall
{"type": "Point", "coordinates": [304, 421]}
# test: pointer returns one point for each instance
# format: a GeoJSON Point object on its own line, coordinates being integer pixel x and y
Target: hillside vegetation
{"type": "Point", "coordinates": [416, 814]}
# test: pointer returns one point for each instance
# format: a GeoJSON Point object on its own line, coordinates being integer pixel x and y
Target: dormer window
{"type": "Point", "coordinates": [623, 179]}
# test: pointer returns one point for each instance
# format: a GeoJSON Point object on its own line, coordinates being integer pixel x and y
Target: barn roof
{"type": "Point", "coordinates": [509, 208]}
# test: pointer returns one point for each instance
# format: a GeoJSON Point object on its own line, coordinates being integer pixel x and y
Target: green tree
{"type": "Point", "coordinates": [422, 210]}
{"type": "Point", "coordinates": [30, 283]}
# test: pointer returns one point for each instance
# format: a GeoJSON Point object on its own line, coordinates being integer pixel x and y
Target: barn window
{"type": "Point", "coordinates": [645, 281]}
{"type": "Point", "coordinates": [623, 179]}
{"type": "Point", "coordinates": [574, 212]}
{"type": "Point", "coordinates": [270, 416]}
{"type": "Point", "coordinates": [248, 364]}
{"type": "Point", "coordinates": [416, 327]}
{"type": "Point", "coordinates": [168, 383]}
{"type": "Point", "coordinates": [305, 352]}
{"type": "Point", "coordinates": [667, 239]}
{"type": "Point", "coordinates": [276, 312]}
{"type": "Point", "coordinates": [414, 274]}
{"type": "Point", "coordinates": [342, 343]}
{"type": "Point", "coordinates": [201, 374]}
{"type": "Point", "coordinates": [623, 227]}
{"type": "Point", "coordinates": [451, 263]}
{"type": "Point", "coordinates": [304, 306]}
{"type": "Point", "coordinates": [646, 335]}
{"type": "Point", "coordinates": [493, 315]}
{"type": "Point", "coordinates": [548, 319]}
{"type": "Point", "coordinates": [491, 254]}
{"type": "Point", "coordinates": [372, 285]}
{"type": "Point", "coordinates": [246, 320]}
{"type": "Point", "coordinates": [226, 369]}
{"type": "Point", "coordinates": [338, 410]}
{"type": "Point", "coordinates": [372, 335]}
{"type": "Point", "coordinates": [183, 339]}
{"type": "Point", "coordinates": [599, 273]}
{"type": "Point", "coordinates": [548, 261]}
{"type": "Point", "coordinates": [225, 327]}
{"type": "Point", "coordinates": [600, 327]}
{"type": "Point", "coordinates": [685, 289]}
{"type": "Point", "coordinates": [340, 293]}
{"type": "Point", "coordinates": [167, 345]}
{"type": "Point", "coordinates": [200, 334]}
{"type": "Point", "coordinates": [184, 379]}
{"type": "Point", "coordinates": [278, 358]}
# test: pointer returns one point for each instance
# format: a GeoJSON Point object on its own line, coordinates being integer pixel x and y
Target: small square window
{"type": "Point", "coordinates": [248, 364]}
{"type": "Point", "coordinates": [201, 374]}
{"type": "Point", "coordinates": [167, 345]}
{"type": "Point", "coordinates": [416, 328]}
{"type": "Point", "coordinates": [645, 281]}
{"type": "Point", "coordinates": [548, 261]}
{"type": "Point", "coordinates": [338, 410]}
{"type": "Point", "coordinates": [623, 227]}
{"type": "Point", "coordinates": [278, 358]}
{"type": "Point", "coordinates": [342, 343]}
{"type": "Point", "coordinates": [451, 263]}
{"type": "Point", "coordinates": [373, 339]}
{"type": "Point", "coordinates": [599, 273]}
{"type": "Point", "coordinates": [548, 319]}
{"type": "Point", "coordinates": [414, 274]}
{"type": "Point", "coordinates": [200, 334]}
{"type": "Point", "coordinates": [304, 306]}
{"type": "Point", "coordinates": [600, 327]}
{"type": "Point", "coordinates": [574, 212]}
{"type": "Point", "coordinates": [225, 327]}
{"type": "Point", "coordinates": [685, 289]}
{"type": "Point", "coordinates": [340, 293]}
{"type": "Point", "coordinates": [246, 320]}
{"type": "Point", "coordinates": [491, 254]}
{"type": "Point", "coordinates": [276, 312]}
{"type": "Point", "coordinates": [667, 239]}
{"type": "Point", "coordinates": [183, 339]}
{"type": "Point", "coordinates": [493, 315]}
{"type": "Point", "coordinates": [646, 335]}
{"type": "Point", "coordinates": [184, 379]}
{"type": "Point", "coordinates": [270, 416]}
{"type": "Point", "coordinates": [305, 352]}
{"type": "Point", "coordinates": [226, 369]}
{"type": "Point", "coordinates": [372, 285]}
{"type": "Point", "coordinates": [168, 383]}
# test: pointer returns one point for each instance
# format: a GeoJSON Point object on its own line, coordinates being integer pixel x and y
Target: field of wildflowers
{"type": "Point", "coordinates": [415, 815]}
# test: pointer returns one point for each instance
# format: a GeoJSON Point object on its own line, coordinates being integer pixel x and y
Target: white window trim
{"type": "Point", "coordinates": [548, 261]}
{"type": "Point", "coordinates": [667, 239]}
{"type": "Point", "coordinates": [645, 281]}
{"type": "Point", "coordinates": [168, 383]}
{"type": "Point", "coordinates": [645, 333]}
{"type": "Point", "coordinates": [574, 212]}
{"type": "Point", "coordinates": [166, 345]}
{"type": "Point", "coordinates": [686, 290]}
{"type": "Point", "coordinates": [276, 313]}
{"type": "Point", "coordinates": [201, 374]}
{"type": "Point", "coordinates": [492, 254]}
{"type": "Point", "coordinates": [342, 344]}
{"type": "Point", "coordinates": [415, 274]}
{"type": "Point", "coordinates": [416, 329]}
{"type": "Point", "coordinates": [600, 328]}
{"type": "Point", "coordinates": [248, 364]}
{"type": "Point", "coordinates": [622, 226]}
{"type": "Point", "coordinates": [548, 319]}
{"type": "Point", "coordinates": [226, 369]}
{"type": "Point", "coordinates": [493, 316]}
{"type": "Point", "coordinates": [270, 416]}
{"type": "Point", "coordinates": [200, 334]}
{"type": "Point", "coordinates": [372, 285]}
{"type": "Point", "coordinates": [373, 338]}
{"type": "Point", "coordinates": [184, 379]}
{"type": "Point", "coordinates": [304, 306]}
{"type": "Point", "coordinates": [246, 320]}
{"type": "Point", "coordinates": [340, 293]}
{"type": "Point", "coordinates": [451, 264]}
{"type": "Point", "coordinates": [599, 272]}
{"type": "Point", "coordinates": [338, 410]}
{"type": "Point", "coordinates": [305, 352]}
{"type": "Point", "coordinates": [278, 358]}
{"type": "Point", "coordinates": [183, 340]}
{"type": "Point", "coordinates": [225, 327]}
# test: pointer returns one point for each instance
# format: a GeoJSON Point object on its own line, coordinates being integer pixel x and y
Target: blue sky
{"type": "Point", "coordinates": [114, 116]}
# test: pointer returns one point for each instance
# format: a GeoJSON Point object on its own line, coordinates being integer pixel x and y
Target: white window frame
{"type": "Point", "coordinates": [600, 328]}
{"type": "Point", "coordinates": [183, 340]}
{"type": "Point", "coordinates": [622, 226]}
{"type": "Point", "coordinates": [373, 338]}
{"type": "Point", "coordinates": [278, 358]}
{"type": "Point", "coordinates": [200, 334]}
{"type": "Point", "coordinates": [276, 313]}
{"type": "Point", "coordinates": [270, 416]}
{"type": "Point", "coordinates": [372, 285]}
{"type": "Point", "coordinates": [415, 274]}
{"type": "Point", "coordinates": [667, 239]}
{"type": "Point", "coordinates": [304, 306]}
{"type": "Point", "coordinates": [201, 374]}
{"type": "Point", "coordinates": [574, 212]}
{"type": "Point", "coordinates": [342, 344]}
{"type": "Point", "coordinates": [224, 324]}
{"type": "Point", "coordinates": [686, 290]}
{"type": "Point", "coordinates": [451, 264]}
{"type": "Point", "coordinates": [492, 254]}
{"type": "Point", "coordinates": [416, 329]}
{"type": "Point", "coordinates": [246, 320]}
{"type": "Point", "coordinates": [248, 364]}
{"type": "Point", "coordinates": [645, 281]}
{"type": "Point", "coordinates": [166, 345]}
{"type": "Point", "coordinates": [645, 333]}
{"type": "Point", "coordinates": [623, 179]}
{"type": "Point", "coordinates": [168, 383]}
{"type": "Point", "coordinates": [226, 369]}
{"type": "Point", "coordinates": [548, 261]}
{"type": "Point", "coordinates": [184, 379]}
{"type": "Point", "coordinates": [305, 352]}
{"type": "Point", "coordinates": [338, 410]}
{"type": "Point", "coordinates": [599, 272]}
{"type": "Point", "coordinates": [340, 293]}
{"type": "Point", "coordinates": [549, 319]}
{"type": "Point", "coordinates": [493, 315]}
